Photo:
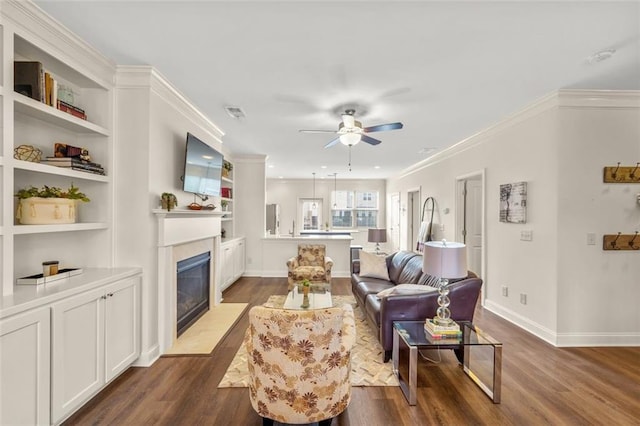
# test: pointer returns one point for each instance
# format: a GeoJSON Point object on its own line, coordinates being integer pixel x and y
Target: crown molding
{"type": "Point", "coordinates": [612, 99]}
{"type": "Point", "coordinates": [147, 77]}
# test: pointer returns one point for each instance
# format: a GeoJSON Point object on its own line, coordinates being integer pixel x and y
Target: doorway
{"type": "Point", "coordinates": [470, 219]}
{"type": "Point", "coordinates": [394, 221]}
{"type": "Point", "coordinates": [413, 218]}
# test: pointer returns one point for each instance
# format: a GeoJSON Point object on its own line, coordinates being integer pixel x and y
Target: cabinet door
{"type": "Point", "coordinates": [77, 351]}
{"type": "Point", "coordinates": [122, 326]}
{"type": "Point", "coordinates": [227, 266]}
{"type": "Point", "coordinates": [238, 260]}
{"type": "Point", "coordinates": [25, 368]}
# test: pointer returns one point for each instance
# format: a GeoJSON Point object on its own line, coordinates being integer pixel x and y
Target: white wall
{"type": "Point", "coordinates": [286, 193]}
{"type": "Point", "coordinates": [547, 146]}
{"type": "Point", "coordinates": [152, 121]}
{"type": "Point", "coordinates": [249, 208]}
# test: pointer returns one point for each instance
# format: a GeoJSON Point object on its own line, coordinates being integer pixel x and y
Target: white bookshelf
{"type": "Point", "coordinates": [27, 34]}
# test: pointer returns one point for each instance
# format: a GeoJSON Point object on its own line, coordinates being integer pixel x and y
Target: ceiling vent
{"type": "Point", "coordinates": [235, 112]}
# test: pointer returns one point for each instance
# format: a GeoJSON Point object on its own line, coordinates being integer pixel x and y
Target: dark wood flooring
{"type": "Point", "coordinates": [541, 384]}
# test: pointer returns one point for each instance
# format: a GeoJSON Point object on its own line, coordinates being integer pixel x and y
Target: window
{"type": "Point", "coordinates": [354, 209]}
{"type": "Point", "coordinates": [311, 213]}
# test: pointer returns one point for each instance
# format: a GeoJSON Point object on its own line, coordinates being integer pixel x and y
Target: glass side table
{"type": "Point", "coordinates": [481, 356]}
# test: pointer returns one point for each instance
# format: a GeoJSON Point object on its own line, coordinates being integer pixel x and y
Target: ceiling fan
{"type": "Point", "coordinates": [350, 131]}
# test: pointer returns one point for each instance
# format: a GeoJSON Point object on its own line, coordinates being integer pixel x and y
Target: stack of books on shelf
{"type": "Point", "coordinates": [75, 163]}
{"type": "Point", "coordinates": [442, 333]}
{"type": "Point", "coordinates": [32, 80]}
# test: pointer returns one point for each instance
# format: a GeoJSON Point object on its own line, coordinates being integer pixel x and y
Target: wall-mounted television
{"type": "Point", "coordinates": [202, 168]}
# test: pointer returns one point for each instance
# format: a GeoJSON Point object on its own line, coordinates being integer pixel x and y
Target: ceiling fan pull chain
{"type": "Point", "coordinates": [349, 157]}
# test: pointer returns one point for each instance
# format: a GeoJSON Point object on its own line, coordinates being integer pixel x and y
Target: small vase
{"type": "Point", "coordinates": [305, 301]}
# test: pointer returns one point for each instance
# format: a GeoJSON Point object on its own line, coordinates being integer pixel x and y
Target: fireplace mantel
{"type": "Point", "coordinates": [183, 233]}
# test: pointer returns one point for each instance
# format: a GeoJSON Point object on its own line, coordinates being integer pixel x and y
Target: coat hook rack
{"type": "Point", "coordinates": [621, 241]}
{"type": "Point", "coordinates": [622, 174]}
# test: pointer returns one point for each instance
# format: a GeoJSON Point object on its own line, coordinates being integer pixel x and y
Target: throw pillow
{"type": "Point", "coordinates": [373, 266]}
{"type": "Point", "coordinates": [406, 289]}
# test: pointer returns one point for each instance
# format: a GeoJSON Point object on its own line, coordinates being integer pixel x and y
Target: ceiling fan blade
{"type": "Point", "coordinates": [369, 140]}
{"type": "Point", "coordinates": [382, 127]}
{"type": "Point", "coordinates": [333, 142]}
{"type": "Point", "coordinates": [317, 131]}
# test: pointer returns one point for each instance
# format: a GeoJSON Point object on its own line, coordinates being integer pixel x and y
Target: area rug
{"type": "Point", "coordinates": [367, 368]}
{"type": "Point", "coordinates": [203, 336]}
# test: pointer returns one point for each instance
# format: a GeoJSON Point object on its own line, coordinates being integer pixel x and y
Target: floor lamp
{"type": "Point", "coordinates": [444, 260]}
{"type": "Point", "coordinates": [377, 235]}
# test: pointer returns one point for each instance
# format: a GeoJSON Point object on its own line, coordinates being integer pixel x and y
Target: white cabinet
{"type": "Point", "coordinates": [25, 368]}
{"type": "Point", "coordinates": [233, 261]}
{"type": "Point", "coordinates": [95, 336]}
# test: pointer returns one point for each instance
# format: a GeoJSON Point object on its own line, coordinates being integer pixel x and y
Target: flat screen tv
{"type": "Point", "coordinates": [202, 168]}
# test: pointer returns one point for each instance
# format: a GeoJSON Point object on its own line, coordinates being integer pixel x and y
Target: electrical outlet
{"type": "Point", "coordinates": [442, 227]}
{"type": "Point", "coordinates": [505, 291]}
{"type": "Point", "coordinates": [526, 235]}
{"type": "Point", "coordinates": [249, 261]}
{"type": "Point", "coordinates": [523, 298]}
{"type": "Point", "coordinates": [591, 239]}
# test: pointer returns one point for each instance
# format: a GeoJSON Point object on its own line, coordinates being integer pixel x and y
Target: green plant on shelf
{"type": "Point", "coordinates": [73, 193]}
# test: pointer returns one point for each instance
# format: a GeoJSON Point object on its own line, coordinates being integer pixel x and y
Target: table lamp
{"type": "Point", "coordinates": [377, 235]}
{"type": "Point", "coordinates": [444, 260]}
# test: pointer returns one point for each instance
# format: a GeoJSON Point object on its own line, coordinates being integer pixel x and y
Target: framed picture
{"type": "Point", "coordinates": [513, 202]}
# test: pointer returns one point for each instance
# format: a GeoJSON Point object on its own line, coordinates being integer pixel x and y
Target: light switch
{"type": "Point", "coordinates": [591, 239]}
{"type": "Point", "coordinates": [526, 235]}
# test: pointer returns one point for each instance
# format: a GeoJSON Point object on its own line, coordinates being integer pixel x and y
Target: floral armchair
{"type": "Point", "coordinates": [311, 264]}
{"type": "Point", "coordinates": [299, 363]}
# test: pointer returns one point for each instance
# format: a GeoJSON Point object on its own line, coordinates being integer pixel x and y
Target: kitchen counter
{"type": "Point", "coordinates": [276, 250]}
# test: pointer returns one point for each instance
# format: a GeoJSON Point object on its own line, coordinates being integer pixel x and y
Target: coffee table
{"type": "Point", "coordinates": [409, 337]}
{"type": "Point", "coordinates": [319, 297]}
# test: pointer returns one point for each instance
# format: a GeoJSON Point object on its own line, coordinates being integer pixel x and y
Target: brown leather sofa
{"type": "Point", "coordinates": [406, 267]}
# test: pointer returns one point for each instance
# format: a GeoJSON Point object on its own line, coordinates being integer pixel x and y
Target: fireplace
{"type": "Point", "coordinates": [192, 298]}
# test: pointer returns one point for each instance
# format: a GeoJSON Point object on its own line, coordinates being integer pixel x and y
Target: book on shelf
{"type": "Point", "coordinates": [226, 192]}
{"type": "Point", "coordinates": [74, 164]}
{"type": "Point", "coordinates": [70, 109]}
{"type": "Point", "coordinates": [28, 77]}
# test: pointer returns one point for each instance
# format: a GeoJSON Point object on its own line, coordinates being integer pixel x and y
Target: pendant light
{"type": "Point", "coordinates": [313, 206]}
{"type": "Point", "coordinates": [335, 191]}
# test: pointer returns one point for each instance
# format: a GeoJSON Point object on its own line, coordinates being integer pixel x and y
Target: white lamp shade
{"type": "Point", "coordinates": [444, 259]}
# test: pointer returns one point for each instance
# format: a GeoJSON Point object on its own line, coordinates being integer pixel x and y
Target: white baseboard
{"type": "Point", "coordinates": [534, 328]}
{"type": "Point", "coordinates": [147, 358]}
{"type": "Point", "coordinates": [571, 339]}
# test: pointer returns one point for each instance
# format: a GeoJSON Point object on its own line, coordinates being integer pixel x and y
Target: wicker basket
{"type": "Point", "coordinates": [44, 211]}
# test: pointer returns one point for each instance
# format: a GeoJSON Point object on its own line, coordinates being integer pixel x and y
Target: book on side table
{"type": "Point", "coordinates": [436, 331]}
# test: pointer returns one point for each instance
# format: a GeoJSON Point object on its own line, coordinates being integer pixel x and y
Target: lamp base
{"type": "Point", "coordinates": [443, 321]}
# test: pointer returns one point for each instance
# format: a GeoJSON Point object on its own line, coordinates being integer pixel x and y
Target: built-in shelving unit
{"type": "Point", "coordinates": [26, 121]}
{"type": "Point", "coordinates": [227, 219]}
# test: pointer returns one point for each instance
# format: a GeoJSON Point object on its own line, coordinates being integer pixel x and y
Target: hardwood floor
{"type": "Point", "coordinates": [541, 384]}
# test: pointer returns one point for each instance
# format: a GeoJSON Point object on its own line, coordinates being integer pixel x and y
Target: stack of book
{"type": "Point", "coordinates": [31, 79]}
{"type": "Point", "coordinates": [75, 163]}
{"type": "Point", "coordinates": [442, 332]}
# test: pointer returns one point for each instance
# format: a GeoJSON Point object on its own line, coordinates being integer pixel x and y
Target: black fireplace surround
{"type": "Point", "coordinates": [193, 290]}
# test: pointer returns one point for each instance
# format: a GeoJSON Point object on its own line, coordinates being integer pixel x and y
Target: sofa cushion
{"type": "Point", "coordinates": [396, 262]}
{"type": "Point", "coordinates": [311, 273]}
{"type": "Point", "coordinates": [405, 289]}
{"type": "Point", "coordinates": [366, 286]}
{"type": "Point", "coordinates": [412, 271]}
{"type": "Point", "coordinates": [373, 266]}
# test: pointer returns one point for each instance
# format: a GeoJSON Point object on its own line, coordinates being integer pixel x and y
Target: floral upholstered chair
{"type": "Point", "coordinates": [299, 363]}
{"type": "Point", "coordinates": [311, 264]}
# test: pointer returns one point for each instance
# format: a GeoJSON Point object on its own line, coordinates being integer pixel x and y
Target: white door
{"type": "Point", "coordinates": [394, 222]}
{"type": "Point", "coordinates": [470, 219]}
{"type": "Point", "coordinates": [77, 351]}
{"type": "Point", "coordinates": [122, 326]}
{"type": "Point", "coordinates": [413, 218]}
{"type": "Point", "coordinates": [24, 368]}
